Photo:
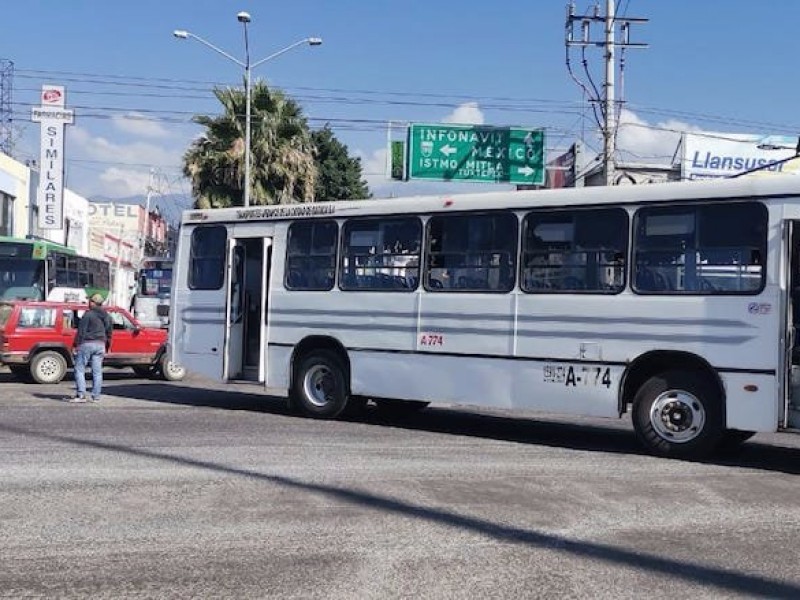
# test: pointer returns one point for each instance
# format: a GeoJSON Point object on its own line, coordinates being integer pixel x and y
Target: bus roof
{"type": "Point", "coordinates": [41, 247]}
{"type": "Point", "coordinates": [783, 185]}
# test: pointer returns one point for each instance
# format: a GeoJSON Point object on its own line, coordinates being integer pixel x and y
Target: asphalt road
{"type": "Point", "coordinates": [195, 490]}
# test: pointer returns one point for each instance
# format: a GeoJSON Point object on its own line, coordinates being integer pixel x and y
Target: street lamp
{"type": "Point", "coordinates": [244, 19]}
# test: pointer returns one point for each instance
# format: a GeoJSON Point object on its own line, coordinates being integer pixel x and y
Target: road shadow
{"type": "Point", "coordinates": [463, 422]}
{"type": "Point", "coordinates": [718, 578]}
{"type": "Point", "coordinates": [6, 377]}
{"type": "Point", "coordinates": [108, 375]}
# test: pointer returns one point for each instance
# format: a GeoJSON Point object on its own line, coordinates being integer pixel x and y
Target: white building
{"type": "Point", "coordinates": [18, 209]}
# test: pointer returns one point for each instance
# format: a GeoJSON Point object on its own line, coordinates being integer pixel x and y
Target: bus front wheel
{"type": "Point", "coordinates": [319, 387]}
{"type": "Point", "coordinates": [679, 414]}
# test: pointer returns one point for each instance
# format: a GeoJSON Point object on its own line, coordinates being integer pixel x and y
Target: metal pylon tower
{"type": "Point", "coordinates": [6, 79]}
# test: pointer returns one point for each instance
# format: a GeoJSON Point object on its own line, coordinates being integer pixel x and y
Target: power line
{"type": "Point", "coordinates": [385, 97]}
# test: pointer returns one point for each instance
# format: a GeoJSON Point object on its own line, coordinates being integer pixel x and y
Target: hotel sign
{"type": "Point", "coordinates": [53, 117]}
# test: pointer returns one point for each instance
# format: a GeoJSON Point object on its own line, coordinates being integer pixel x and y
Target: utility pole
{"type": "Point", "coordinates": [6, 119]}
{"type": "Point", "coordinates": [143, 238]}
{"type": "Point", "coordinates": [117, 274]}
{"type": "Point", "coordinates": [608, 103]}
{"type": "Point", "coordinates": [609, 130]}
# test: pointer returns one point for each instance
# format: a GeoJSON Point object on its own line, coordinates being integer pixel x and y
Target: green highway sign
{"type": "Point", "coordinates": [478, 153]}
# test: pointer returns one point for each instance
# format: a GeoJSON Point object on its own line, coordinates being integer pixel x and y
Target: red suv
{"type": "Point", "coordinates": [36, 342]}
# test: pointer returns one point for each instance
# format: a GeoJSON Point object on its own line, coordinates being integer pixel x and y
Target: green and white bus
{"type": "Point", "coordinates": [35, 269]}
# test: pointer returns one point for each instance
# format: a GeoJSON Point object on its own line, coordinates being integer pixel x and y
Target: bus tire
{"type": "Point", "coordinates": [679, 414]}
{"type": "Point", "coordinates": [169, 370]}
{"type": "Point", "coordinates": [48, 366]}
{"type": "Point", "coordinates": [320, 387]}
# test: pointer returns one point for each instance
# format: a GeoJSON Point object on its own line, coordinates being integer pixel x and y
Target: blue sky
{"type": "Point", "coordinates": [715, 65]}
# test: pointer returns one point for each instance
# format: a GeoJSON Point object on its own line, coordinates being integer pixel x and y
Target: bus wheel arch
{"type": "Point", "coordinates": [320, 378]}
{"type": "Point", "coordinates": [678, 406]}
{"type": "Point", "coordinates": [659, 361]}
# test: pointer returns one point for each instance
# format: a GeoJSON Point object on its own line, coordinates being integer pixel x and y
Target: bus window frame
{"type": "Point", "coordinates": [626, 250]}
{"type": "Point", "coordinates": [697, 209]}
{"type": "Point", "coordinates": [425, 275]}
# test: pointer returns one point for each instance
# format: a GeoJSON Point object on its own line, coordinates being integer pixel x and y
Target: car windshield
{"type": "Point", "coordinates": [21, 279]}
{"type": "Point", "coordinates": [155, 282]}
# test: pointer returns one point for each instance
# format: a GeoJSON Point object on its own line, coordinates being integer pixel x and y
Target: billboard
{"type": "Point", "coordinates": [53, 117]}
{"type": "Point", "coordinates": [714, 155]}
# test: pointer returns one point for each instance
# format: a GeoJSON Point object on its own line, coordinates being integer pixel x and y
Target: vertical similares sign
{"type": "Point", "coordinates": [50, 195]}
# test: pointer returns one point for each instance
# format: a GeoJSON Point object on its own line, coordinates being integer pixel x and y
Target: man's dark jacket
{"type": "Point", "coordinates": [95, 326]}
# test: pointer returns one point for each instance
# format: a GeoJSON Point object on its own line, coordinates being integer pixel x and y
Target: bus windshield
{"type": "Point", "coordinates": [21, 278]}
{"type": "Point", "coordinates": [154, 282]}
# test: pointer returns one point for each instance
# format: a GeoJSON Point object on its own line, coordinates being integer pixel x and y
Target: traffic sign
{"type": "Point", "coordinates": [480, 153]}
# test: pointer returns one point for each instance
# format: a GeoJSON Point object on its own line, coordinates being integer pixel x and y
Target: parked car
{"type": "Point", "coordinates": [36, 342]}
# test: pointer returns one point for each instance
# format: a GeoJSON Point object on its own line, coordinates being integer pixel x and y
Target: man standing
{"type": "Point", "coordinates": [92, 341]}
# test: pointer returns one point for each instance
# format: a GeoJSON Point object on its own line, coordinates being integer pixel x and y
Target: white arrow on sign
{"type": "Point", "coordinates": [526, 171]}
{"type": "Point", "coordinates": [447, 150]}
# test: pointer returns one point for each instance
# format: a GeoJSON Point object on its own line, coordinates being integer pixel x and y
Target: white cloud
{"type": "Point", "coordinates": [373, 168]}
{"type": "Point", "coordinates": [139, 125]}
{"type": "Point", "coordinates": [638, 140]}
{"type": "Point", "coordinates": [125, 168]}
{"type": "Point", "coordinates": [468, 113]}
{"type": "Point", "coordinates": [119, 182]}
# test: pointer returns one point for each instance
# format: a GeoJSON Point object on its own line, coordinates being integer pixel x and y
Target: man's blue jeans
{"type": "Point", "coordinates": [89, 352]}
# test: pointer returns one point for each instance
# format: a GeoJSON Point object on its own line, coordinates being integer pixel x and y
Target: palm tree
{"type": "Point", "coordinates": [281, 151]}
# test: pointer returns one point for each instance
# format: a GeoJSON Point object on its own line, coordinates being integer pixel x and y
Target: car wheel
{"type": "Point", "coordinates": [48, 367]}
{"type": "Point", "coordinates": [679, 414]}
{"type": "Point", "coordinates": [319, 387]}
{"type": "Point", "coordinates": [171, 371]}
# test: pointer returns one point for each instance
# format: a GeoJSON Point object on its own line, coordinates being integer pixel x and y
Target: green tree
{"type": "Point", "coordinates": [339, 175]}
{"type": "Point", "coordinates": [282, 166]}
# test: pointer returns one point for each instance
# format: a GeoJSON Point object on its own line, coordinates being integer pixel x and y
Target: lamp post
{"type": "Point", "coordinates": [244, 19]}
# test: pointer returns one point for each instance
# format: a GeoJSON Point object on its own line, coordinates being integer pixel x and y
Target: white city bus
{"type": "Point", "coordinates": [151, 300]}
{"type": "Point", "coordinates": [670, 302]}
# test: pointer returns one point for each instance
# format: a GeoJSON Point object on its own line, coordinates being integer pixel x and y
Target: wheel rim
{"type": "Point", "coordinates": [319, 384]}
{"type": "Point", "coordinates": [49, 368]}
{"type": "Point", "coordinates": [173, 370]}
{"type": "Point", "coordinates": [678, 416]}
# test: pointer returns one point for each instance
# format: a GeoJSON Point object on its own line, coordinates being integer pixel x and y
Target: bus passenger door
{"type": "Point", "coordinates": [791, 416]}
{"type": "Point", "coordinates": [234, 312]}
{"type": "Point", "coordinates": [248, 281]}
{"type": "Point", "coordinates": [263, 326]}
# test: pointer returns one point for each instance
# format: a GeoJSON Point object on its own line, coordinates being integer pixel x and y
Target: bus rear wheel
{"type": "Point", "coordinates": [679, 414]}
{"type": "Point", "coordinates": [319, 387]}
